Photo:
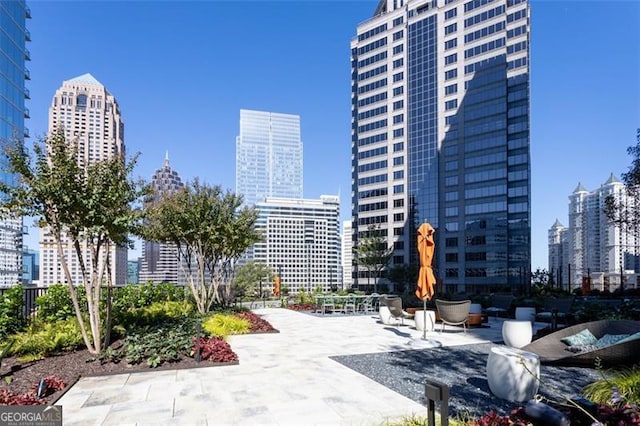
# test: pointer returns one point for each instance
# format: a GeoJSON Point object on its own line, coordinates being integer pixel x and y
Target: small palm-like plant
{"type": "Point", "coordinates": [625, 382]}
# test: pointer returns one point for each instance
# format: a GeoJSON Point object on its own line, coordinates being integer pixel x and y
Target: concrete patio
{"type": "Point", "coordinates": [282, 378]}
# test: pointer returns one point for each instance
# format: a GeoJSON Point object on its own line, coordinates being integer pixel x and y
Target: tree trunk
{"type": "Point", "coordinates": [74, 296]}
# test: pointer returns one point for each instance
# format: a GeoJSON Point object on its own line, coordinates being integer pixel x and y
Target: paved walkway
{"type": "Point", "coordinates": [282, 379]}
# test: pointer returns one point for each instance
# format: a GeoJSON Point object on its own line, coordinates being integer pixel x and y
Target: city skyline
{"type": "Point", "coordinates": [582, 90]}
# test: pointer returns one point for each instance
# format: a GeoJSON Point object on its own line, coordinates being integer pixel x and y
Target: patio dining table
{"type": "Point", "coordinates": [336, 300]}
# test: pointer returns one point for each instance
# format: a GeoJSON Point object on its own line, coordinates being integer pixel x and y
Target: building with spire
{"type": "Point", "coordinates": [440, 134]}
{"type": "Point", "coordinates": [90, 117]}
{"type": "Point", "coordinates": [599, 252]}
{"type": "Point", "coordinates": [160, 261]}
{"type": "Point", "coordinates": [13, 113]}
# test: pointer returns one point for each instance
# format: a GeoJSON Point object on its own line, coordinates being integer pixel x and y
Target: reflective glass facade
{"type": "Point", "coordinates": [13, 92]}
{"type": "Point", "coordinates": [440, 134]}
{"type": "Point", "coordinates": [268, 156]}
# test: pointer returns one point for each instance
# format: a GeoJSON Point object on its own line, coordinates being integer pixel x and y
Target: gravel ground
{"type": "Point", "coordinates": [463, 368]}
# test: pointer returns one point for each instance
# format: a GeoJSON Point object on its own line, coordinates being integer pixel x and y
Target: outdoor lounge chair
{"type": "Point", "coordinates": [395, 309]}
{"type": "Point", "coordinates": [453, 312]}
{"type": "Point", "coordinates": [556, 309]}
{"type": "Point", "coordinates": [500, 304]}
{"type": "Point", "coordinates": [552, 350]}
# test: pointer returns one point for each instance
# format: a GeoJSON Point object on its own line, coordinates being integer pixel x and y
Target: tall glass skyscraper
{"type": "Point", "coordinates": [440, 134]}
{"type": "Point", "coordinates": [13, 92]}
{"type": "Point", "coordinates": [268, 156]}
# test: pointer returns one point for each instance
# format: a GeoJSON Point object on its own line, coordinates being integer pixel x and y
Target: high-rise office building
{"type": "Point", "coordinates": [301, 241]}
{"type": "Point", "coordinates": [597, 249]}
{"type": "Point", "coordinates": [133, 272]}
{"type": "Point", "coordinates": [90, 117]}
{"type": "Point", "coordinates": [347, 254]}
{"type": "Point", "coordinates": [13, 92]}
{"type": "Point", "coordinates": [440, 134]}
{"type": "Point", "coordinates": [160, 261]}
{"type": "Point", "coordinates": [558, 240]}
{"type": "Point", "coordinates": [30, 267]}
{"type": "Point", "coordinates": [268, 156]}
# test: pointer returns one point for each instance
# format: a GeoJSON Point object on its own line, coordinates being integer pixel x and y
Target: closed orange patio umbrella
{"type": "Point", "coordinates": [426, 279]}
{"type": "Point", "coordinates": [276, 286]}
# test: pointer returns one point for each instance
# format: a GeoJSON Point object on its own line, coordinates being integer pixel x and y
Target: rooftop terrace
{"type": "Point", "coordinates": [331, 370]}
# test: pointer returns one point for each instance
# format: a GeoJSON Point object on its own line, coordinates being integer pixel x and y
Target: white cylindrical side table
{"type": "Point", "coordinates": [516, 333]}
{"type": "Point", "coordinates": [526, 314]}
{"type": "Point", "coordinates": [430, 323]}
{"type": "Point", "coordinates": [385, 314]}
{"type": "Point", "coordinates": [513, 373]}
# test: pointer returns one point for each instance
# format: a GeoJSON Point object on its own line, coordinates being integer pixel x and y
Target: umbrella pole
{"type": "Point", "coordinates": [424, 312]}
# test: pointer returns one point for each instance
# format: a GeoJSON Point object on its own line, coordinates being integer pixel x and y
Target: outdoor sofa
{"type": "Point", "coordinates": [552, 350]}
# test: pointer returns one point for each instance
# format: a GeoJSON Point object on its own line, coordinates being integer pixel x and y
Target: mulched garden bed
{"type": "Point", "coordinates": [23, 377]}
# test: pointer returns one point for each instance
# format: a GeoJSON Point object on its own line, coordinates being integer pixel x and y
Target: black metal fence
{"type": "Point", "coordinates": [29, 296]}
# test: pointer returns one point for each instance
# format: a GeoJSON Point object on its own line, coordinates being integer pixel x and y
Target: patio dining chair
{"type": "Point", "coordinates": [368, 304]}
{"type": "Point", "coordinates": [453, 312]}
{"type": "Point", "coordinates": [349, 304]}
{"type": "Point", "coordinates": [328, 304]}
{"type": "Point", "coordinates": [500, 304]}
{"type": "Point", "coordinates": [556, 309]}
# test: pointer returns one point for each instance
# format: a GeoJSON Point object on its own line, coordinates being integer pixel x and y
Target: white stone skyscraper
{"type": "Point", "coordinates": [599, 249]}
{"type": "Point", "coordinates": [90, 117]}
{"type": "Point", "coordinates": [160, 261]}
{"type": "Point", "coordinates": [440, 134]}
{"type": "Point", "coordinates": [301, 241]}
{"type": "Point", "coordinates": [268, 156]}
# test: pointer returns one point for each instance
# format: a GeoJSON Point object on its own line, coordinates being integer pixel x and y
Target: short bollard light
{"type": "Point", "coordinates": [42, 388]}
{"type": "Point", "coordinates": [437, 391]}
{"type": "Point", "coordinates": [198, 332]}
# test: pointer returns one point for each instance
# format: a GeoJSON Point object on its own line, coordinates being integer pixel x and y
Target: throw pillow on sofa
{"type": "Point", "coordinates": [582, 348]}
{"type": "Point", "coordinates": [635, 336]}
{"type": "Point", "coordinates": [585, 337]}
{"type": "Point", "coordinates": [610, 339]}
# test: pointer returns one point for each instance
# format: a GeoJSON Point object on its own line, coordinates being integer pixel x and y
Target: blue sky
{"type": "Point", "coordinates": [182, 71]}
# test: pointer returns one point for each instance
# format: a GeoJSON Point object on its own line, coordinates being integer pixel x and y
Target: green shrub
{"type": "Point", "coordinates": [48, 338]}
{"type": "Point", "coordinates": [138, 296]}
{"type": "Point", "coordinates": [627, 383]}
{"type": "Point", "coordinates": [56, 303]}
{"type": "Point", "coordinates": [11, 316]}
{"type": "Point", "coordinates": [223, 325]}
{"type": "Point", "coordinates": [153, 314]}
{"type": "Point", "coordinates": [155, 345]}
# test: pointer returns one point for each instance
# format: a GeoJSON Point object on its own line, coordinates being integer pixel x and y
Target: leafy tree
{"type": "Point", "coordinates": [623, 211]}
{"type": "Point", "coordinates": [247, 277]}
{"type": "Point", "coordinates": [541, 278]}
{"type": "Point", "coordinates": [88, 207]}
{"type": "Point", "coordinates": [210, 230]}
{"type": "Point", "coordinates": [403, 276]}
{"type": "Point", "coordinates": [372, 253]}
